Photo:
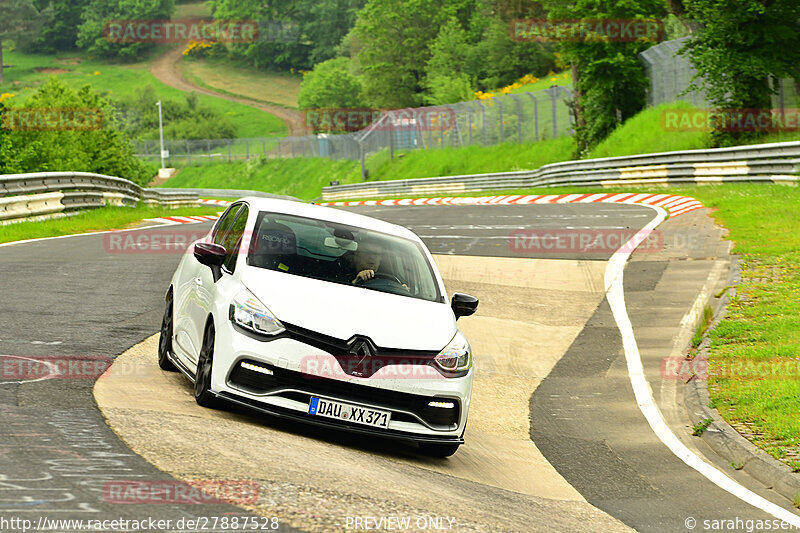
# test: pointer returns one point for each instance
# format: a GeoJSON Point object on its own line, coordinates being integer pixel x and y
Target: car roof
{"type": "Point", "coordinates": [327, 214]}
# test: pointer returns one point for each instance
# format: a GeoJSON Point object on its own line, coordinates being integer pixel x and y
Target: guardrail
{"type": "Point", "coordinates": [777, 163]}
{"type": "Point", "coordinates": [46, 193]}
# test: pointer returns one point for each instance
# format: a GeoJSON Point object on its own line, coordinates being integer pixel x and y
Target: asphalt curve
{"type": "Point", "coordinates": [73, 299]}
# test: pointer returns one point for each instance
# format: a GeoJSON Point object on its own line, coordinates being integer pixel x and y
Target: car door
{"type": "Point", "coordinates": [187, 305]}
{"type": "Point", "coordinates": [205, 287]}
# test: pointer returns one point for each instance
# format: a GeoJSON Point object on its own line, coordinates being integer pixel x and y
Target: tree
{"type": "Point", "coordinates": [7, 163]}
{"type": "Point", "coordinates": [330, 85]}
{"type": "Point", "coordinates": [91, 33]}
{"type": "Point", "coordinates": [20, 22]}
{"type": "Point", "coordinates": [740, 47]}
{"type": "Point", "coordinates": [608, 80]}
{"type": "Point", "coordinates": [394, 36]}
{"type": "Point", "coordinates": [500, 61]}
{"type": "Point", "coordinates": [60, 25]}
{"type": "Point", "coordinates": [447, 74]}
{"type": "Point", "coordinates": [102, 149]}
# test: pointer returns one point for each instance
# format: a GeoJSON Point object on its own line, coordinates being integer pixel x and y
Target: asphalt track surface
{"type": "Point", "coordinates": [72, 299]}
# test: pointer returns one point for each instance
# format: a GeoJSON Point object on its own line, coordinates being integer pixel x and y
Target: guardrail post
{"type": "Point", "coordinates": [554, 92]}
{"type": "Point", "coordinates": [188, 154]}
{"type": "Point", "coordinates": [208, 150]}
{"type": "Point", "coordinates": [229, 152]}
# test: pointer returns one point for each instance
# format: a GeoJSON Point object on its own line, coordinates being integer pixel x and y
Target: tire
{"type": "Point", "coordinates": [202, 378]}
{"type": "Point", "coordinates": [165, 340]}
{"type": "Point", "coordinates": [438, 450]}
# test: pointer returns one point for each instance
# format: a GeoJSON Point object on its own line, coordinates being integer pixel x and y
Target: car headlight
{"type": "Point", "coordinates": [248, 312]}
{"type": "Point", "coordinates": [456, 357]}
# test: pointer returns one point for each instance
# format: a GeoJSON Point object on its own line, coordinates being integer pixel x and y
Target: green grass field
{"type": "Point", "coordinates": [29, 71]}
{"type": "Point", "coordinates": [300, 177]}
{"type": "Point", "coordinates": [271, 88]}
{"type": "Point", "coordinates": [101, 219]}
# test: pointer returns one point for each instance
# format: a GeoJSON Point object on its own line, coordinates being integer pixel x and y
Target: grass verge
{"type": "Point", "coordinates": [222, 77]}
{"type": "Point", "coordinates": [29, 71]}
{"type": "Point", "coordinates": [101, 219]}
{"type": "Point", "coordinates": [300, 177]}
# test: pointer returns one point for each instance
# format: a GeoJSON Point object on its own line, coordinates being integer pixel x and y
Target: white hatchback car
{"type": "Point", "coordinates": [324, 316]}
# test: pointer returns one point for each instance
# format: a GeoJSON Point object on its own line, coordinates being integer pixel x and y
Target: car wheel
{"type": "Point", "coordinates": [438, 450]}
{"type": "Point", "coordinates": [165, 341]}
{"type": "Point", "coordinates": [202, 379]}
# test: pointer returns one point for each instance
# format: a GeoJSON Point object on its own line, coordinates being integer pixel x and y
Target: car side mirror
{"type": "Point", "coordinates": [211, 255]}
{"type": "Point", "coordinates": [463, 304]}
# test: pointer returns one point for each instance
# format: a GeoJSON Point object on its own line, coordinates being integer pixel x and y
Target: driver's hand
{"type": "Point", "coordinates": [364, 275]}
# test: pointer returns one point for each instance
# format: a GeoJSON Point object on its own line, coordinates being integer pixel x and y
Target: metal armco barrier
{"type": "Point", "coordinates": [775, 163]}
{"type": "Point", "coordinates": [45, 193]}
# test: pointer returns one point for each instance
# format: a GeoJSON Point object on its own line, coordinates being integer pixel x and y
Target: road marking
{"type": "Point", "coordinates": [644, 395]}
{"type": "Point", "coordinates": [51, 366]}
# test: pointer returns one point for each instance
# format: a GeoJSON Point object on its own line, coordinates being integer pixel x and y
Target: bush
{"type": "Point", "coordinates": [103, 150]}
{"type": "Point", "coordinates": [186, 120]}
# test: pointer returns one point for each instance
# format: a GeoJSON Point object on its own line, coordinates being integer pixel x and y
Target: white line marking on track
{"type": "Point", "coordinates": [644, 394]}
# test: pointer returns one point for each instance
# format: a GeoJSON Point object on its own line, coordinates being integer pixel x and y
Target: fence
{"type": "Point", "coordinates": [670, 73]}
{"type": "Point", "coordinates": [522, 117]}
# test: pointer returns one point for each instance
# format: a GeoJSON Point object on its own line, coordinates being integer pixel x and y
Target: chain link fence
{"type": "Point", "coordinates": [520, 118]}
{"type": "Point", "coordinates": [670, 73]}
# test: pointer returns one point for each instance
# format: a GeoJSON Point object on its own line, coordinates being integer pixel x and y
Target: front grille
{"type": "Point", "coordinates": [281, 378]}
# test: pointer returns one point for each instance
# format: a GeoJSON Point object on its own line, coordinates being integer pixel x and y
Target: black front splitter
{"type": "Point", "coordinates": [331, 424]}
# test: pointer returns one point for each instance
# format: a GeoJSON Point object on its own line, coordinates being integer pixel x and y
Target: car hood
{"type": "Point", "coordinates": [341, 311]}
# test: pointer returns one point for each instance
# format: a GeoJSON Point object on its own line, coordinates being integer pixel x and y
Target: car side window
{"type": "Point", "coordinates": [233, 240]}
{"type": "Point", "coordinates": [224, 224]}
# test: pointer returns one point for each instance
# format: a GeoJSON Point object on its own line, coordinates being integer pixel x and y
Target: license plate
{"type": "Point", "coordinates": [349, 412]}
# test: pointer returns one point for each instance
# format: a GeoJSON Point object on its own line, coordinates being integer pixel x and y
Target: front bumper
{"type": "Point", "coordinates": [286, 390]}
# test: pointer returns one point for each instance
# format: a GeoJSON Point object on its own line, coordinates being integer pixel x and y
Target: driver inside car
{"type": "Point", "coordinates": [365, 262]}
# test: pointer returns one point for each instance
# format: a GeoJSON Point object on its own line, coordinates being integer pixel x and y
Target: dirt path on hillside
{"type": "Point", "coordinates": [166, 69]}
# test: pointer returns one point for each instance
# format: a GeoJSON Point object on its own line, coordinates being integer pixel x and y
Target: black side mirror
{"type": "Point", "coordinates": [211, 255]}
{"type": "Point", "coordinates": [463, 304]}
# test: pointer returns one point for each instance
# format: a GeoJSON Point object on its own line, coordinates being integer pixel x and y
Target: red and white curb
{"type": "Point", "coordinates": [673, 203]}
{"type": "Point", "coordinates": [220, 203]}
{"type": "Point", "coordinates": [183, 220]}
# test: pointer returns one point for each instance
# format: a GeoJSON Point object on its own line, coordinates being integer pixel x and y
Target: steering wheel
{"type": "Point", "coordinates": [382, 278]}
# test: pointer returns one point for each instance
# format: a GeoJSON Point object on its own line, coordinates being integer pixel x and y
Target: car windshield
{"type": "Point", "coordinates": [342, 254]}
